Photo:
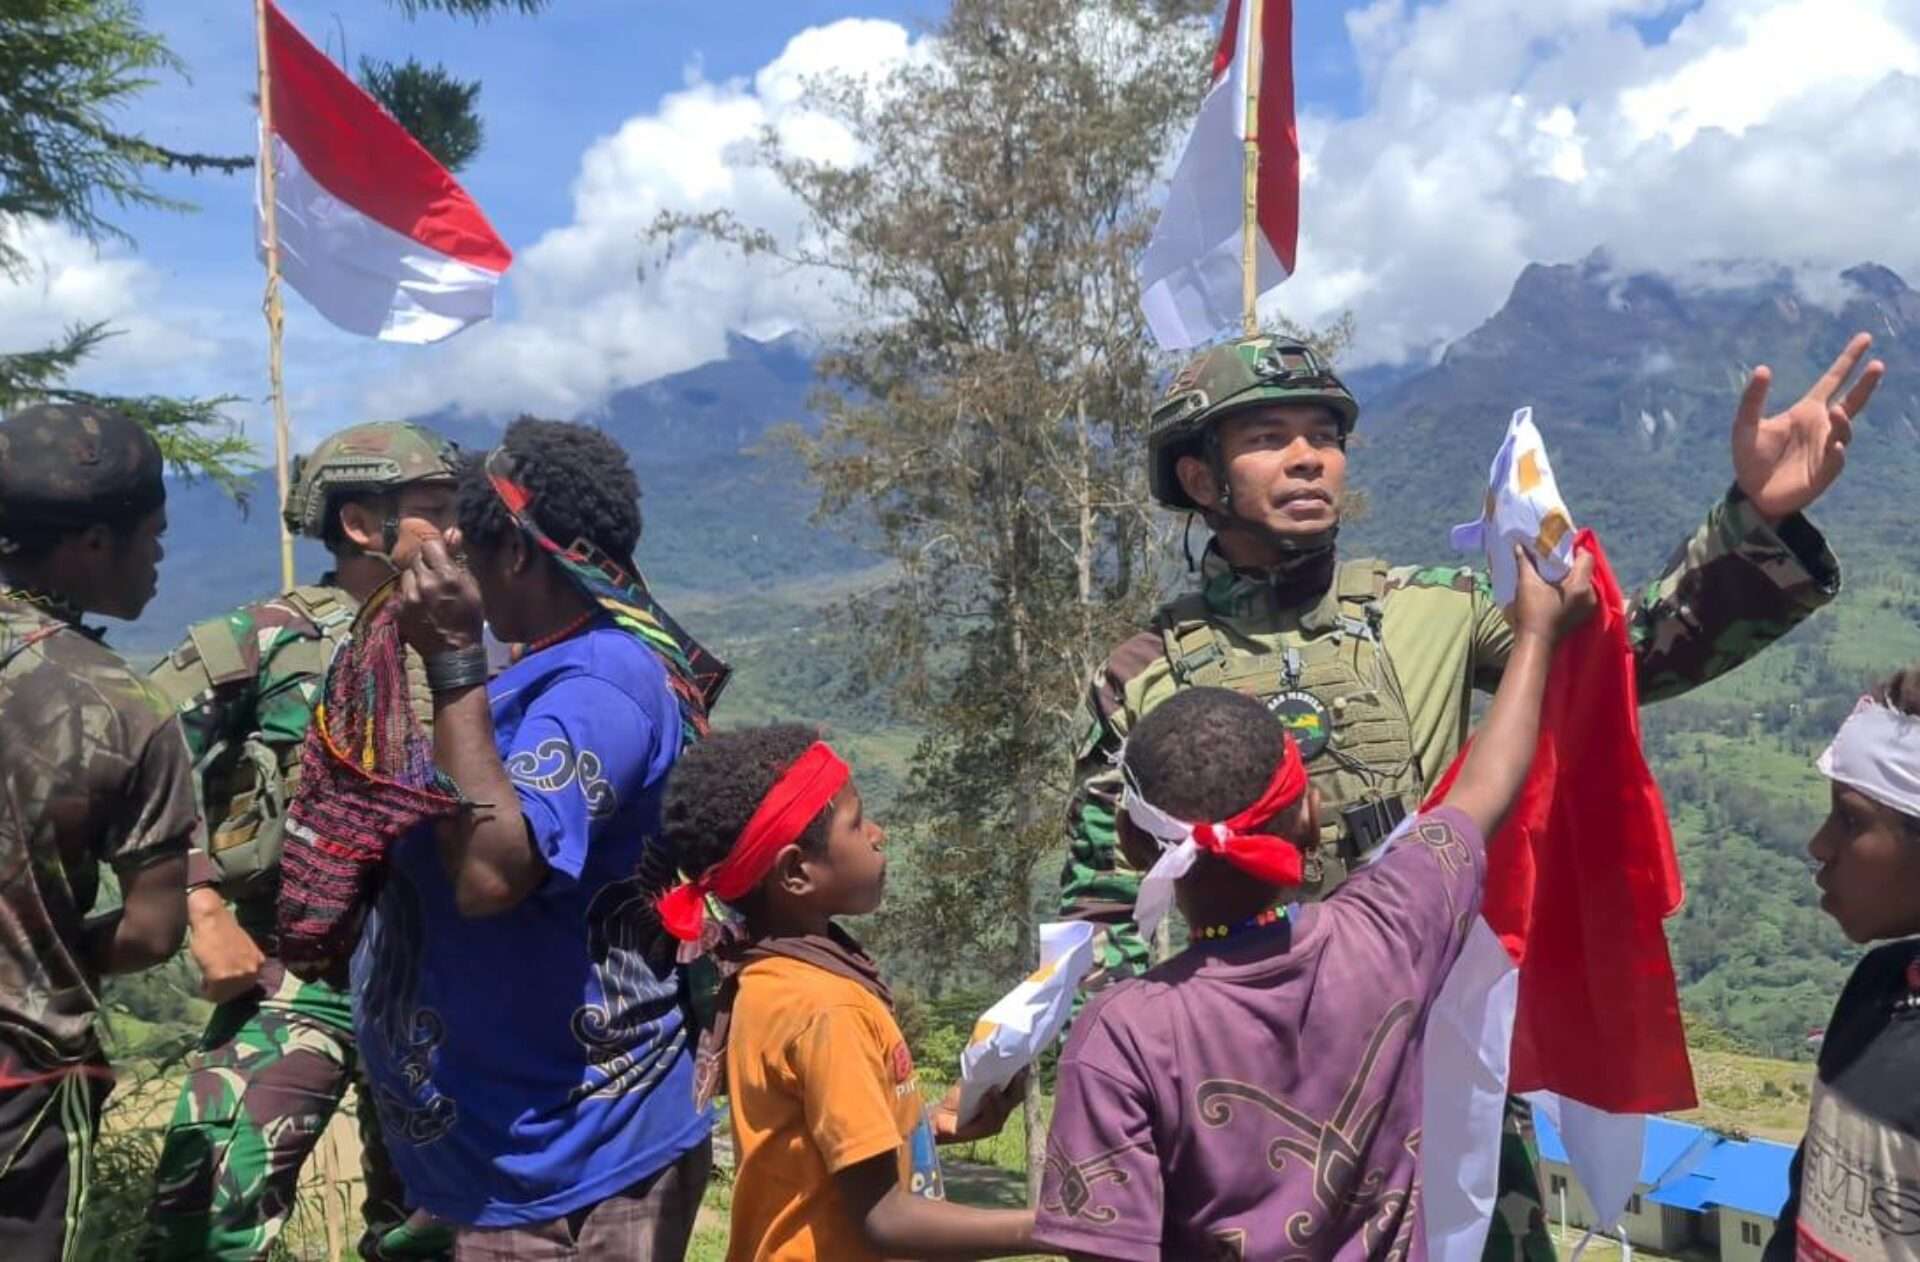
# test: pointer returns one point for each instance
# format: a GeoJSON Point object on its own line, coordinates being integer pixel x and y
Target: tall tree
{"type": "Point", "coordinates": [436, 109]}
{"type": "Point", "coordinates": [985, 415]}
{"type": "Point", "coordinates": [67, 68]}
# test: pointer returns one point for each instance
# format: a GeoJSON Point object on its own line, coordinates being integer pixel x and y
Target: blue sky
{"type": "Point", "coordinates": [1447, 143]}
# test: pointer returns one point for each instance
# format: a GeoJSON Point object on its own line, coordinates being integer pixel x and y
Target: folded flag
{"type": "Point", "coordinates": [372, 231]}
{"type": "Point", "coordinates": [1523, 507]}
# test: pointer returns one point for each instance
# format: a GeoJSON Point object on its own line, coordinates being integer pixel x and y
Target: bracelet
{"type": "Point", "coordinates": [457, 669]}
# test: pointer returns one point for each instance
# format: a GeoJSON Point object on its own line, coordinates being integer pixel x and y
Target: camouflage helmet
{"type": "Point", "coordinates": [1229, 378]}
{"type": "Point", "coordinates": [380, 456]}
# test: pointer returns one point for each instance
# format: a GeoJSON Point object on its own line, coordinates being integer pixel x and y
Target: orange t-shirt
{"type": "Point", "coordinates": [820, 1079]}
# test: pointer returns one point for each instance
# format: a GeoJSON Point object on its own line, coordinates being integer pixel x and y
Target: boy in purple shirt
{"type": "Point", "coordinates": [1258, 1095]}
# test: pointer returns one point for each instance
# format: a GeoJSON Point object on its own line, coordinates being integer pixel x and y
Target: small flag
{"type": "Point", "coordinates": [372, 231]}
{"type": "Point", "coordinates": [1191, 274]}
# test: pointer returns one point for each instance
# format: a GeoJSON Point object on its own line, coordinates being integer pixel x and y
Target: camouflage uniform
{"type": "Point", "coordinates": [1398, 653]}
{"type": "Point", "coordinates": [274, 1064]}
{"type": "Point", "coordinates": [92, 771]}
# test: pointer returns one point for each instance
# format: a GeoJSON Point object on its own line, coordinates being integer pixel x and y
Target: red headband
{"type": "Point", "coordinates": [1272, 859]}
{"type": "Point", "coordinates": [800, 794]}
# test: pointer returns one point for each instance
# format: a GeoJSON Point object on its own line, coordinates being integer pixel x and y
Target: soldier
{"type": "Point", "coordinates": [1372, 667]}
{"type": "Point", "coordinates": [93, 771]}
{"type": "Point", "coordinates": [279, 1052]}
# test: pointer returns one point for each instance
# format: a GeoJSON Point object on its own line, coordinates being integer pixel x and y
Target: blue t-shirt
{"type": "Point", "coordinates": [530, 1064]}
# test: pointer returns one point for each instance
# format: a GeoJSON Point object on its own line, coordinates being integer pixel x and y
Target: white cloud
{"type": "Point", "coordinates": [69, 281]}
{"type": "Point", "coordinates": [595, 307]}
{"type": "Point", "coordinates": [1502, 132]}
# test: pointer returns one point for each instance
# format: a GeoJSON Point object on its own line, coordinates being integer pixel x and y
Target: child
{"type": "Point", "coordinates": [835, 1155]}
{"type": "Point", "coordinates": [1258, 1096]}
{"type": "Point", "coordinates": [1854, 1190]}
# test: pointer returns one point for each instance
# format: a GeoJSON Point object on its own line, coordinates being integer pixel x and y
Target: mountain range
{"type": "Point", "coordinates": [1633, 379]}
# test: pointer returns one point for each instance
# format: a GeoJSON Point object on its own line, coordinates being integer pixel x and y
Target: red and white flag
{"type": "Point", "coordinates": [1564, 988]}
{"type": "Point", "coordinates": [1191, 276]}
{"type": "Point", "coordinates": [372, 231]}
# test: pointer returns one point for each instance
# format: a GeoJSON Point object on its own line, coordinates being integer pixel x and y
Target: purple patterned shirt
{"type": "Point", "coordinates": [1261, 1100]}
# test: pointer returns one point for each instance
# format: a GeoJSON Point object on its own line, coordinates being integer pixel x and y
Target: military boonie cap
{"type": "Point", "coordinates": [378, 456]}
{"type": "Point", "coordinates": [73, 465]}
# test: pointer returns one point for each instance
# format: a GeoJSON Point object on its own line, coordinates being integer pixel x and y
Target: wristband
{"type": "Point", "coordinates": [457, 669]}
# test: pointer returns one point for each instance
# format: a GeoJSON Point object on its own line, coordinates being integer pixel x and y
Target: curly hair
{"type": "Point", "coordinates": [1205, 753]}
{"type": "Point", "coordinates": [582, 484]}
{"type": "Point", "coordinates": [717, 784]}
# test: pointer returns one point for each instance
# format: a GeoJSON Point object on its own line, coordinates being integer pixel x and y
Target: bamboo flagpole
{"type": "Point", "coordinates": [271, 304]}
{"type": "Point", "coordinates": [1250, 201]}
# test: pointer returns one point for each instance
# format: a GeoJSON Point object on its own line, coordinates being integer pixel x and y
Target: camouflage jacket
{"type": "Point", "coordinates": [93, 770]}
{"type": "Point", "coordinates": [1728, 592]}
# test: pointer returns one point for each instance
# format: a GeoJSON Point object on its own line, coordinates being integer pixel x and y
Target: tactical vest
{"type": "Point", "coordinates": [1366, 774]}
{"type": "Point", "coordinates": [248, 788]}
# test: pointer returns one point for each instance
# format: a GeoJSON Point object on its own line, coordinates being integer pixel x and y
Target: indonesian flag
{"type": "Point", "coordinates": [1191, 274]}
{"type": "Point", "coordinates": [372, 231]}
{"type": "Point", "coordinates": [1565, 986]}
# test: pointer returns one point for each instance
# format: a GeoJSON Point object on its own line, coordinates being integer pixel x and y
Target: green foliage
{"type": "Point", "coordinates": [436, 109]}
{"type": "Point", "coordinates": [195, 435]}
{"type": "Point", "coordinates": [66, 66]}
{"type": "Point", "coordinates": [475, 9]}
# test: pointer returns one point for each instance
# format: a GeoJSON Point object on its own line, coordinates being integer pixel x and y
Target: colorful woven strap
{"type": "Point", "coordinates": [697, 676]}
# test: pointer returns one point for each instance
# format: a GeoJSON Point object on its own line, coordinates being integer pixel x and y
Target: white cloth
{"type": "Point", "coordinates": [1877, 751]}
{"type": "Point", "coordinates": [1178, 850]}
{"type": "Point", "coordinates": [1523, 507]}
{"type": "Point", "coordinates": [1026, 1021]}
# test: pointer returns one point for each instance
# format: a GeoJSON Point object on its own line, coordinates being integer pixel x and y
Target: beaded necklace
{"type": "Point", "coordinates": [1259, 920]}
{"type": "Point", "coordinates": [548, 641]}
{"type": "Point", "coordinates": [50, 603]}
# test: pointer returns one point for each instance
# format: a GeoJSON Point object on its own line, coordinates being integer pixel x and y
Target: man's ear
{"type": "Point", "coordinates": [364, 525]}
{"type": "Point", "coordinates": [1196, 479]}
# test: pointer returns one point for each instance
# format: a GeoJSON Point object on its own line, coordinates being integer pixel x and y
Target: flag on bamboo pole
{"type": "Point", "coordinates": [373, 231]}
{"type": "Point", "coordinates": [1192, 274]}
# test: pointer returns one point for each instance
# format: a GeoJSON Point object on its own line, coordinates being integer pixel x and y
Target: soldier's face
{"type": "Point", "coordinates": [1286, 468]}
{"type": "Point", "coordinates": [129, 568]}
{"type": "Point", "coordinates": [1286, 472]}
{"type": "Point", "coordinates": [423, 511]}
{"type": "Point", "coordinates": [1867, 860]}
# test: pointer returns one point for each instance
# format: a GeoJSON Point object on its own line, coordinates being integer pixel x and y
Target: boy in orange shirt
{"type": "Point", "coordinates": [835, 1152]}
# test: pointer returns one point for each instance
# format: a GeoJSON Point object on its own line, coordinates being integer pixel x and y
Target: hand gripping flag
{"type": "Point", "coordinates": [1565, 986]}
{"type": "Point", "coordinates": [1192, 272]}
{"type": "Point", "coordinates": [372, 231]}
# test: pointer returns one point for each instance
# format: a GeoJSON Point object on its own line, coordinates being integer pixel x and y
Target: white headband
{"type": "Point", "coordinates": [1178, 850]}
{"type": "Point", "coordinates": [1877, 751]}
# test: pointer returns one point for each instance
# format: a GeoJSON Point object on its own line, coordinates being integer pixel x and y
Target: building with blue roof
{"type": "Point", "coordinates": [1725, 1205]}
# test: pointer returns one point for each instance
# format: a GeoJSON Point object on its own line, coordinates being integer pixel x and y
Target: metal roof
{"type": "Point", "coordinates": [1748, 1175]}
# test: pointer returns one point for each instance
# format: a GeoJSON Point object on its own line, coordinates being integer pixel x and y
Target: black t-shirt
{"type": "Point", "coordinates": [1854, 1191]}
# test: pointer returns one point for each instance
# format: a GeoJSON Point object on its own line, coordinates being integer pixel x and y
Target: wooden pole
{"type": "Point", "coordinates": [1250, 203]}
{"type": "Point", "coordinates": [275, 314]}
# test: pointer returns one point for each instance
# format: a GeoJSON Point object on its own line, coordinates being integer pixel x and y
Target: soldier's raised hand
{"type": "Point", "coordinates": [1787, 461]}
